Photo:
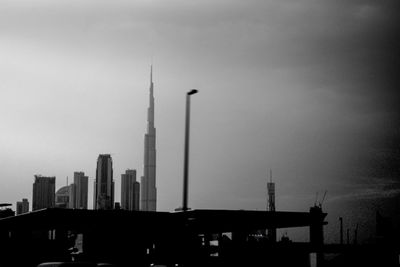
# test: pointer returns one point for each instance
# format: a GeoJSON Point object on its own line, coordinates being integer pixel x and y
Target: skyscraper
{"type": "Point", "coordinates": [44, 189]}
{"type": "Point", "coordinates": [129, 191]}
{"type": "Point", "coordinates": [148, 190]}
{"type": "Point", "coordinates": [104, 184]}
{"type": "Point", "coordinates": [72, 196]}
{"type": "Point", "coordinates": [79, 191]}
{"type": "Point", "coordinates": [22, 206]}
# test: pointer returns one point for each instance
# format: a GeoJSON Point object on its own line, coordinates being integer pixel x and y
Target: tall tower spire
{"type": "Point", "coordinates": [270, 175]}
{"type": "Point", "coordinates": [271, 205]}
{"type": "Point", "coordinates": [151, 74]}
{"type": "Point", "coordinates": [148, 194]}
{"type": "Point", "coordinates": [271, 193]}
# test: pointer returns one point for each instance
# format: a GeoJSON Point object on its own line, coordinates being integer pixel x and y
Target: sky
{"type": "Point", "coordinates": [309, 89]}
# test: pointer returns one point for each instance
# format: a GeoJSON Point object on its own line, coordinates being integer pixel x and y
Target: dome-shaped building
{"type": "Point", "coordinates": [62, 197]}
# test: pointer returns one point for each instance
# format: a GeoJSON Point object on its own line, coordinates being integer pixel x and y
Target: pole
{"type": "Point", "coordinates": [355, 234]}
{"type": "Point", "coordinates": [341, 230]}
{"type": "Point", "coordinates": [186, 157]}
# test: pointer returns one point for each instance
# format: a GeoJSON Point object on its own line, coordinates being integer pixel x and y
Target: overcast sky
{"type": "Point", "coordinates": [307, 88]}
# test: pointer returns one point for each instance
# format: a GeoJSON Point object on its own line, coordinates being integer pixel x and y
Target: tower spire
{"type": "Point", "coordinates": [271, 205]}
{"type": "Point", "coordinates": [151, 74]}
{"type": "Point", "coordinates": [148, 190]}
{"type": "Point", "coordinates": [270, 175]}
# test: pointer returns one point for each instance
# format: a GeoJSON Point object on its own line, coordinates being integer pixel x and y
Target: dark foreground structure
{"type": "Point", "coordinates": [136, 238]}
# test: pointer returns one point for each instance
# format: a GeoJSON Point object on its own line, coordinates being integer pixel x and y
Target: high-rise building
{"type": "Point", "coordinates": [148, 190]}
{"type": "Point", "coordinates": [72, 195]}
{"type": "Point", "coordinates": [104, 184]}
{"type": "Point", "coordinates": [43, 192]}
{"type": "Point", "coordinates": [130, 191]}
{"type": "Point", "coordinates": [79, 191]}
{"type": "Point", "coordinates": [22, 206]}
{"type": "Point", "coordinates": [62, 197]}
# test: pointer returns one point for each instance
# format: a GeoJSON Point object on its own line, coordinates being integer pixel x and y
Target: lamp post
{"type": "Point", "coordinates": [186, 157]}
{"type": "Point", "coordinates": [341, 230]}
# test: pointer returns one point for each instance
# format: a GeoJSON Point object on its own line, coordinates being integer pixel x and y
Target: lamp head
{"type": "Point", "coordinates": [192, 92]}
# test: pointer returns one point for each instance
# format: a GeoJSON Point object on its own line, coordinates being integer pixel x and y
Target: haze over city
{"type": "Point", "coordinates": [308, 89]}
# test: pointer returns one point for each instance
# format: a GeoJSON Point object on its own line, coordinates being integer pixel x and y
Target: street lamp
{"type": "Point", "coordinates": [186, 157]}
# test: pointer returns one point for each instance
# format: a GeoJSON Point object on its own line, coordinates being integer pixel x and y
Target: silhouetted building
{"type": "Point", "coordinates": [127, 238]}
{"type": "Point", "coordinates": [43, 192]}
{"type": "Point", "coordinates": [130, 191]}
{"type": "Point", "coordinates": [104, 184]}
{"type": "Point", "coordinates": [79, 191]}
{"type": "Point", "coordinates": [5, 212]}
{"type": "Point", "coordinates": [22, 206]}
{"type": "Point", "coordinates": [148, 191]}
{"type": "Point", "coordinates": [384, 228]}
{"type": "Point", "coordinates": [62, 197]}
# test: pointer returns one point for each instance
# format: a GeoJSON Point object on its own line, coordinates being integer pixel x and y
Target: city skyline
{"type": "Point", "coordinates": [307, 89]}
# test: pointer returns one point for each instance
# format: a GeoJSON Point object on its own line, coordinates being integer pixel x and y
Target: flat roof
{"type": "Point", "coordinates": [202, 220]}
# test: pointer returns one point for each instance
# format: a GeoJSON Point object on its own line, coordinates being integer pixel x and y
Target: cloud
{"type": "Point", "coordinates": [370, 189]}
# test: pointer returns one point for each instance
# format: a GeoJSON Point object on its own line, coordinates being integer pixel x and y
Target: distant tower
{"type": "Point", "coordinates": [44, 189]}
{"type": "Point", "coordinates": [72, 196]}
{"type": "Point", "coordinates": [22, 206]}
{"type": "Point", "coordinates": [271, 206]}
{"type": "Point", "coordinates": [148, 190]}
{"type": "Point", "coordinates": [79, 191]}
{"type": "Point", "coordinates": [129, 191]}
{"type": "Point", "coordinates": [104, 184]}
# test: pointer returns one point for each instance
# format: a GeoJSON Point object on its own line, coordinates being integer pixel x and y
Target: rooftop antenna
{"type": "Point", "coordinates": [316, 199]}
{"type": "Point", "coordinates": [67, 180]}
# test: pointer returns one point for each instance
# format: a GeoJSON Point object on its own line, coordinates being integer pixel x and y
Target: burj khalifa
{"type": "Point", "coordinates": [148, 190]}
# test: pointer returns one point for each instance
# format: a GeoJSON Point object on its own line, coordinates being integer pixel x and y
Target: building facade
{"type": "Point", "coordinates": [72, 195]}
{"type": "Point", "coordinates": [130, 191]}
{"type": "Point", "coordinates": [22, 206]}
{"type": "Point", "coordinates": [104, 184]}
{"type": "Point", "coordinates": [79, 191]}
{"type": "Point", "coordinates": [148, 190]}
{"type": "Point", "coordinates": [43, 192]}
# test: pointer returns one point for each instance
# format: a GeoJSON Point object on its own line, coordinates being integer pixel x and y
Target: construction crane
{"type": "Point", "coordinates": [322, 201]}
